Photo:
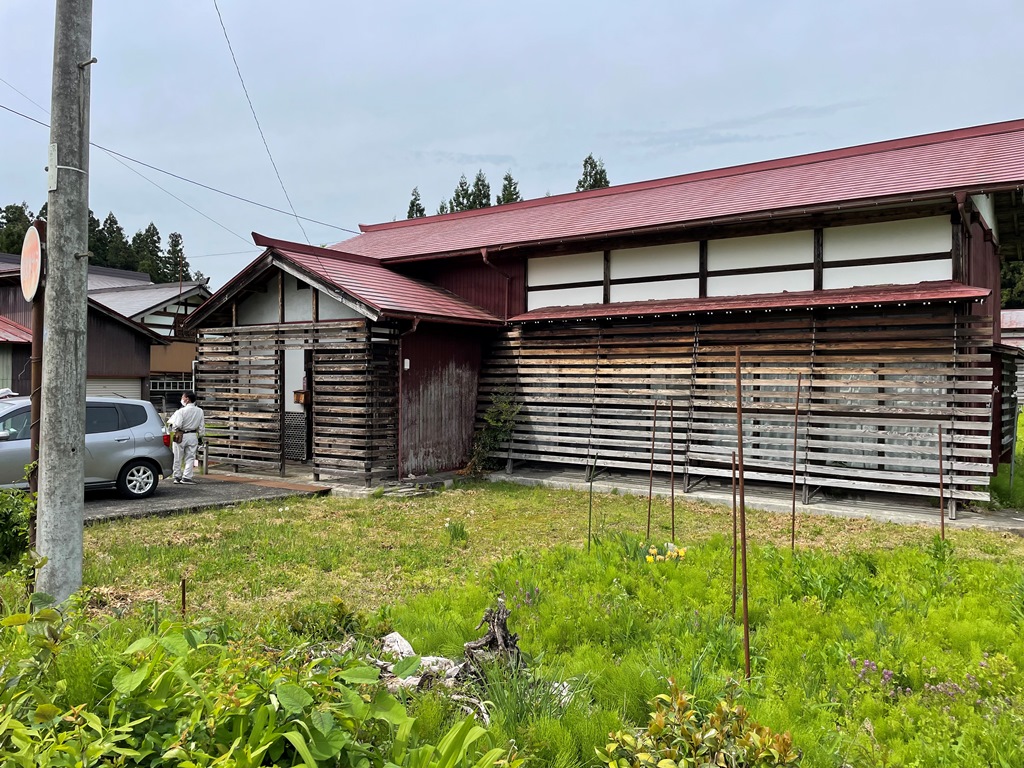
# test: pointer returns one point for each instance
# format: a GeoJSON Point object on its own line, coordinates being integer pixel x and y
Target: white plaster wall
{"type": "Point", "coordinates": [987, 208]}
{"type": "Point", "coordinates": [768, 282]}
{"type": "Point", "coordinates": [293, 372]}
{"type": "Point", "coordinates": [332, 309]}
{"type": "Point", "coordinates": [298, 302]}
{"type": "Point", "coordinates": [260, 308]}
{"type": "Point", "coordinates": [566, 297]}
{"type": "Point", "coordinates": [891, 238]}
{"type": "Point", "coordinates": [658, 260]}
{"type": "Point", "coordinates": [665, 289]}
{"type": "Point", "coordinates": [552, 270]}
{"type": "Point", "coordinates": [887, 274]}
{"type": "Point", "coordinates": [761, 250]}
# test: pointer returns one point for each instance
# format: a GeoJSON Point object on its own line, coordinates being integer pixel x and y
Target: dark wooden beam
{"type": "Point", "coordinates": [702, 269]}
{"type": "Point", "coordinates": [607, 297]}
{"type": "Point", "coordinates": [819, 258]}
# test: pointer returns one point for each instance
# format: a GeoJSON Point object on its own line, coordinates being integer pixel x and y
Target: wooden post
{"type": "Point", "coordinates": [796, 429]}
{"type": "Point", "coordinates": [672, 463]}
{"type": "Point", "coordinates": [942, 500]}
{"type": "Point", "coordinates": [734, 535]}
{"type": "Point", "coordinates": [743, 514]}
{"type": "Point", "coordinates": [183, 597]}
{"type": "Point", "coordinates": [650, 485]}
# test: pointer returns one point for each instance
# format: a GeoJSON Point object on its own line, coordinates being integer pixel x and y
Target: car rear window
{"type": "Point", "coordinates": [100, 418]}
{"type": "Point", "coordinates": [135, 415]}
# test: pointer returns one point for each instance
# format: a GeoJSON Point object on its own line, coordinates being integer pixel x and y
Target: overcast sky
{"type": "Point", "coordinates": [362, 101]}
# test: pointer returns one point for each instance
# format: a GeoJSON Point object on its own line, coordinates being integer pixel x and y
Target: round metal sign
{"type": "Point", "coordinates": [31, 263]}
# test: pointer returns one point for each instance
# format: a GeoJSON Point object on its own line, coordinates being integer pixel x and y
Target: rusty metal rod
{"type": "Point", "coordinates": [672, 463]}
{"type": "Point", "coordinates": [942, 499]}
{"type": "Point", "coordinates": [796, 431]}
{"type": "Point", "coordinates": [743, 515]}
{"type": "Point", "coordinates": [734, 535]}
{"type": "Point", "coordinates": [650, 485]}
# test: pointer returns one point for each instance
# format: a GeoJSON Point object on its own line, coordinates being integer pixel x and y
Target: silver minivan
{"type": "Point", "coordinates": [126, 445]}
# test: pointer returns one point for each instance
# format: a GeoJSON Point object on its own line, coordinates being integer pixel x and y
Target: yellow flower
{"type": "Point", "coordinates": [652, 551]}
{"type": "Point", "coordinates": [661, 558]}
{"type": "Point", "coordinates": [650, 559]}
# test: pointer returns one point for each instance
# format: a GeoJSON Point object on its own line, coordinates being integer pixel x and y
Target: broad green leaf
{"type": "Point", "coordinates": [41, 600]}
{"type": "Point", "coordinates": [489, 759]}
{"type": "Point", "coordinates": [355, 703]}
{"type": "Point", "coordinates": [48, 616]}
{"type": "Point", "coordinates": [387, 708]}
{"type": "Point", "coordinates": [140, 645]}
{"type": "Point", "coordinates": [46, 712]}
{"type": "Point", "coordinates": [176, 644]}
{"type": "Point", "coordinates": [293, 698]}
{"type": "Point", "coordinates": [322, 721]}
{"type": "Point", "coordinates": [300, 746]}
{"type": "Point", "coordinates": [405, 667]}
{"type": "Point", "coordinates": [127, 680]}
{"type": "Point", "coordinates": [326, 747]}
{"type": "Point", "coordinates": [360, 675]}
{"type": "Point", "coordinates": [16, 620]}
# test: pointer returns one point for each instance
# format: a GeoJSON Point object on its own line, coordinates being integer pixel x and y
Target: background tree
{"type": "Point", "coordinates": [119, 253]}
{"type": "Point", "coordinates": [15, 220]}
{"type": "Point", "coordinates": [594, 175]}
{"type": "Point", "coordinates": [509, 191]}
{"type": "Point", "coordinates": [480, 195]}
{"type": "Point", "coordinates": [443, 208]}
{"type": "Point", "coordinates": [175, 256]}
{"type": "Point", "coordinates": [463, 197]}
{"type": "Point", "coordinates": [416, 209]}
{"type": "Point", "coordinates": [151, 258]}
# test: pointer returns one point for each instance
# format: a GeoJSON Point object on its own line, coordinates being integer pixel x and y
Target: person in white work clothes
{"type": "Point", "coordinates": [189, 427]}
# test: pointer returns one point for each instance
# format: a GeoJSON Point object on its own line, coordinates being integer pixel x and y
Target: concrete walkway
{"type": "Point", "coordinates": [881, 507]}
{"type": "Point", "coordinates": [211, 491]}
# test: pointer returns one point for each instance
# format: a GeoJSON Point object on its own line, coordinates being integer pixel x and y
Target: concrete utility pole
{"type": "Point", "coordinates": [61, 498]}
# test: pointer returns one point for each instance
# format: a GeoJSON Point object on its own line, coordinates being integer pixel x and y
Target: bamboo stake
{"type": "Point", "coordinates": [743, 515]}
{"type": "Point", "coordinates": [672, 463]}
{"type": "Point", "coordinates": [650, 486]}
{"type": "Point", "coordinates": [183, 597]}
{"type": "Point", "coordinates": [942, 500]}
{"type": "Point", "coordinates": [734, 535]}
{"type": "Point", "coordinates": [796, 431]}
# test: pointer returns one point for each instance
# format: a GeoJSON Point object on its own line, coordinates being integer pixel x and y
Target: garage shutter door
{"type": "Point", "coordinates": [114, 388]}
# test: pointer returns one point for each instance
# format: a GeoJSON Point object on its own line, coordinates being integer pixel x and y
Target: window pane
{"type": "Point", "coordinates": [100, 418]}
{"type": "Point", "coordinates": [16, 425]}
{"type": "Point", "coordinates": [135, 415]}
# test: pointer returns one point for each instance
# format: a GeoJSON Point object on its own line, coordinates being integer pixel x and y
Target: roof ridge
{"type": "Point", "coordinates": [790, 161]}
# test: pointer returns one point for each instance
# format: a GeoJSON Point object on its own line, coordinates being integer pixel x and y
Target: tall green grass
{"type": "Point", "coordinates": [913, 656]}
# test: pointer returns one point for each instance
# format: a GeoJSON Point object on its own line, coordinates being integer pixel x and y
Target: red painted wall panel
{"type": "Point", "coordinates": [480, 284]}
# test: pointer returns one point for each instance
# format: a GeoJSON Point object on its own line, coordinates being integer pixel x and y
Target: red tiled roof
{"type": "Point", "coordinates": [389, 292]}
{"type": "Point", "coordinates": [14, 333]}
{"type": "Point", "coordinates": [921, 293]}
{"type": "Point", "coordinates": [969, 158]}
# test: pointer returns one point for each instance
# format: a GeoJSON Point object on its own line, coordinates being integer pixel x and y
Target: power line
{"type": "Point", "coordinates": [175, 175]}
{"type": "Point", "coordinates": [257, 120]}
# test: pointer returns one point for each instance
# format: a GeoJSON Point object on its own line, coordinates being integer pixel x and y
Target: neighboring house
{"type": "Point", "coordinates": [117, 354]}
{"type": "Point", "coordinates": [614, 316]}
{"type": "Point", "coordinates": [162, 308]}
{"type": "Point", "coordinates": [124, 295]}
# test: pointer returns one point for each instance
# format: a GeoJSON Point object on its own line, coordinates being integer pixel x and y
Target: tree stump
{"type": "Point", "coordinates": [498, 644]}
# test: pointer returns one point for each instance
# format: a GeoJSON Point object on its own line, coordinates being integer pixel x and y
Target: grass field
{"type": "Point", "coordinates": [875, 644]}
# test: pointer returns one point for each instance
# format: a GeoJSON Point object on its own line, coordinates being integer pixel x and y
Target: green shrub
{"type": "Point", "coordinates": [333, 620]}
{"type": "Point", "coordinates": [678, 735]}
{"type": "Point", "coordinates": [499, 423]}
{"type": "Point", "coordinates": [16, 508]}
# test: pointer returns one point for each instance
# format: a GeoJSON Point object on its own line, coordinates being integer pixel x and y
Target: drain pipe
{"type": "Point", "coordinates": [508, 280]}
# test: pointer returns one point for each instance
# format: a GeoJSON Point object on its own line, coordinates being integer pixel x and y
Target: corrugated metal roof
{"type": "Point", "coordinates": [920, 293]}
{"type": "Point", "coordinates": [134, 300]}
{"type": "Point", "coordinates": [14, 333]}
{"type": "Point", "coordinates": [969, 158]}
{"type": "Point", "coordinates": [389, 292]}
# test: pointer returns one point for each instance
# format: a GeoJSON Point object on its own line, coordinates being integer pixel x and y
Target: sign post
{"type": "Point", "coordinates": [32, 271]}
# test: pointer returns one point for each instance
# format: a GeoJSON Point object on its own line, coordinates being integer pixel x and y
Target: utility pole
{"type": "Point", "coordinates": [61, 499]}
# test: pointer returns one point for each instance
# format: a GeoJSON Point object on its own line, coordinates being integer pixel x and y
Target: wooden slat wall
{"type": "Point", "coordinates": [240, 381]}
{"type": "Point", "coordinates": [876, 387]}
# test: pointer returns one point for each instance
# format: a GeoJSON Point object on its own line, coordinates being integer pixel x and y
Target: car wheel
{"type": "Point", "coordinates": [138, 479]}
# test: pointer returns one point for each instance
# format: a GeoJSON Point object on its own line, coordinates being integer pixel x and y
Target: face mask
{"type": "Point", "coordinates": [184, 402]}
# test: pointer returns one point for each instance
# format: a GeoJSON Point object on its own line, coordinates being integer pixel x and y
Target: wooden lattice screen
{"type": "Point", "coordinates": [240, 380]}
{"type": "Point", "coordinates": [875, 389]}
